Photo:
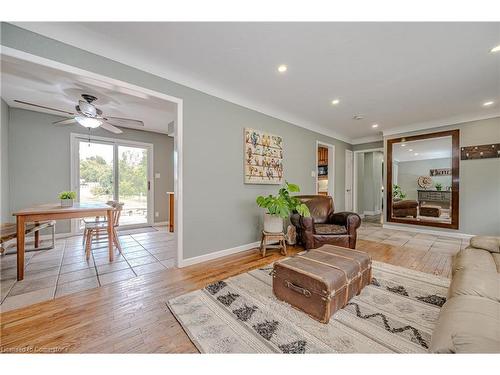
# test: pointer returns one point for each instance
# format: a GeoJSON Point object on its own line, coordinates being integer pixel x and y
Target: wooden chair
{"type": "Point", "coordinates": [94, 228]}
{"type": "Point", "coordinates": [8, 232]}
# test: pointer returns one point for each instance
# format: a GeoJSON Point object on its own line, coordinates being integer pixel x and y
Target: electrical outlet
{"type": "Point", "coordinates": [157, 175]}
{"type": "Point", "coordinates": [157, 214]}
{"type": "Point", "coordinates": [313, 173]}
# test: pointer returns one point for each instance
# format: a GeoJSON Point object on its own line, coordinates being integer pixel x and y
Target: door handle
{"type": "Point", "coordinates": [149, 185]}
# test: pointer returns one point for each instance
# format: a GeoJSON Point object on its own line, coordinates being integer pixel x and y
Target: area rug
{"type": "Point", "coordinates": [395, 314]}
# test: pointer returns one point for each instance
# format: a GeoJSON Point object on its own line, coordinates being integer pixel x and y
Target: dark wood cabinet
{"type": "Point", "coordinates": [322, 156]}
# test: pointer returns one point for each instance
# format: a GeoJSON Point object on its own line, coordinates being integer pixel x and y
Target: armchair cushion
{"type": "Point", "coordinates": [347, 219]}
{"type": "Point", "coordinates": [330, 229]}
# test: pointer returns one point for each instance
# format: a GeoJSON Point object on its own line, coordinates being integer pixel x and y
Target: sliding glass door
{"type": "Point", "coordinates": [107, 169]}
{"type": "Point", "coordinates": [133, 184]}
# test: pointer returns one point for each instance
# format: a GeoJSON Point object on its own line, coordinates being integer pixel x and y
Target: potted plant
{"type": "Point", "coordinates": [66, 198]}
{"type": "Point", "coordinates": [438, 186]}
{"type": "Point", "coordinates": [279, 207]}
{"type": "Point", "coordinates": [397, 193]}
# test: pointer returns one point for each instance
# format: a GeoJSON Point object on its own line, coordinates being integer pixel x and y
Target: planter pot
{"type": "Point", "coordinates": [66, 202]}
{"type": "Point", "coordinates": [273, 223]}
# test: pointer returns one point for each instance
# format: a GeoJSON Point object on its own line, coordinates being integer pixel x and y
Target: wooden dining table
{"type": "Point", "coordinates": [55, 211]}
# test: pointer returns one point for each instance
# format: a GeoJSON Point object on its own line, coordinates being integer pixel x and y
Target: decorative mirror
{"type": "Point", "coordinates": [423, 179]}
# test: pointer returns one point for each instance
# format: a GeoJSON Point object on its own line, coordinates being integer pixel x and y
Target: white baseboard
{"type": "Point", "coordinates": [160, 223]}
{"type": "Point", "coordinates": [371, 213]}
{"type": "Point", "coordinates": [428, 231]}
{"type": "Point", "coordinates": [217, 254]}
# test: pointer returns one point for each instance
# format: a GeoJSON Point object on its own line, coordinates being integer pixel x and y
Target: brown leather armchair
{"type": "Point", "coordinates": [324, 226]}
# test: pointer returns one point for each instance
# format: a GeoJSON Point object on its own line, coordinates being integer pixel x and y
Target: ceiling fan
{"type": "Point", "coordinates": [89, 116]}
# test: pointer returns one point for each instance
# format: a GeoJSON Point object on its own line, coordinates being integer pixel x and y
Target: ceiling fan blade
{"type": "Point", "coordinates": [111, 128]}
{"type": "Point", "coordinates": [128, 121]}
{"type": "Point", "coordinates": [64, 122]}
{"type": "Point", "coordinates": [44, 107]}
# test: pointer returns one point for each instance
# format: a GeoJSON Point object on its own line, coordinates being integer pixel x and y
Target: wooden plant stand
{"type": "Point", "coordinates": [272, 237]}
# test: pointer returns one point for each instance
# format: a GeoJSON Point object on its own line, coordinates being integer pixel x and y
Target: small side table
{"type": "Point", "coordinates": [272, 237]}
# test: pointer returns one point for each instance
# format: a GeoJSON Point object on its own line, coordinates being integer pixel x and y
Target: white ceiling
{"type": "Point", "coordinates": [396, 74]}
{"type": "Point", "coordinates": [57, 89]}
{"type": "Point", "coordinates": [432, 148]}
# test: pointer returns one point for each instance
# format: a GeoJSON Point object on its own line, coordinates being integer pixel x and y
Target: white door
{"type": "Point", "coordinates": [348, 180]}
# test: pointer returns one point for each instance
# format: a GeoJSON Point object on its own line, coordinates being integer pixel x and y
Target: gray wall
{"type": "Point", "coordinates": [368, 146]}
{"type": "Point", "coordinates": [479, 179]}
{"type": "Point", "coordinates": [39, 160]}
{"type": "Point", "coordinates": [4, 161]}
{"type": "Point", "coordinates": [410, 171]}
{"type": "Point", "coordinates": [219, 210]}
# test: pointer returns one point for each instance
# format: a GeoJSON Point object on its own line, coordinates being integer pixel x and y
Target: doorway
{"type": "Point", "coordinates": [368, 183]}
{"type": "Point", "coordinates": [325, 169]}
{"type": "Point", "coordinates": [106, 169]}
{"type": "Point", "coordinates": [178, 130]}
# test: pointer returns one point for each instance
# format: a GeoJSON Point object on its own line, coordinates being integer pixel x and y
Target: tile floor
{"type": "Point", "coordinates": [63, 270]}
{"type": "Point", "coordinates": [371, 230]}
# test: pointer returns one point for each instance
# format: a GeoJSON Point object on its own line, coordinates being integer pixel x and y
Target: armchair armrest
{"type": "Point", "coordinates": [302, 222]}
{"type": "Point", "coordinates": [350, 220]}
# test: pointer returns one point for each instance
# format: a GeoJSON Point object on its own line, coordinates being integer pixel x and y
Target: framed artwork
{"type": "Point", "coordinates": [263, 157]}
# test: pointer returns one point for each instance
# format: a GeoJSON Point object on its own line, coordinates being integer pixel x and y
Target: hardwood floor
{"type": "Point", "coordinates": [131, 316]}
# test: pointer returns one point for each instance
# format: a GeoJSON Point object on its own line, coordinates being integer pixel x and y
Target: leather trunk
{"type": "Point", "coordinates": [323, 280]}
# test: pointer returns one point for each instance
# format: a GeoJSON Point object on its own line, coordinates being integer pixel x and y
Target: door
{"type": "Point", "coordinates": [348, 180]}
{"type": "Point", "coordinates": [106, 169]}
{"type": "Point", "coordinates": [95, 174]}
{"type": "Point", "coordinates": [133, 184]}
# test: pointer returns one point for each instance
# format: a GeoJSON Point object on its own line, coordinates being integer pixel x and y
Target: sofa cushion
{"type": "Point", "coordinates": [467, 324]}
{"type": "Point", "coordinates": [490, 243]}
{"type": "Point", "coordinates": [329, 229]}
{"type": "Point", "coordinates": [474, 282]}
{"type": "Point", "coordinates": [496, 259]}
{"type": "Point", "coordinates": [474, 344]}
{"type": "Point", "coordinates": [474, 258]}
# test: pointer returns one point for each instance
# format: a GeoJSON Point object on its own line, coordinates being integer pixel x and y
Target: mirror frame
{"type": "Point", "coordinates": [455, 178]}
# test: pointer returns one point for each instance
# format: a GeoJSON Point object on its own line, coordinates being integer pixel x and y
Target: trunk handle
{"type": "Point", "coordinates": [297, 289]}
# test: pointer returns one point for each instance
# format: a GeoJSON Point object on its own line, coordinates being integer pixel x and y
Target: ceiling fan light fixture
{"type": "Point", "coordinates": [88, 122]}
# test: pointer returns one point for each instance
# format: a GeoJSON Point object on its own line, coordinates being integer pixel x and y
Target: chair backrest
{"type": "Point", "coordinates": [320, 206]}
{"type": "Point", "coordinates": [117, 212]}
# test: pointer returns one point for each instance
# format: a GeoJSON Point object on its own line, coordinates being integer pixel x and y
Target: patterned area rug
{"type": "Point", "coordinates": [395, 314]}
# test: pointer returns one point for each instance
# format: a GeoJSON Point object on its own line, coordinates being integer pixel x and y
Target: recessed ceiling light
{"type": "Point", "coordinates": [488, 103]}
{"type": "Point", "coordinates": [410, 150]}
{"type": "Point", "coordinates": [495, 49]}
{"type": "Point", "coordinates": [282, 68]}
{"type": "Point", "coordinates": [403, 144]}
{"type": "Point", "coordinates": [375, 126]}
{"type": "Point", "coordinates": [416, 154]}
{"type": "Point", "coordinates": [335, 101]}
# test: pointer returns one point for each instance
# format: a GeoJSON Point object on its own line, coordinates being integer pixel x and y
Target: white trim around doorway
{"type": "Point", "coordinates": [178, 133]}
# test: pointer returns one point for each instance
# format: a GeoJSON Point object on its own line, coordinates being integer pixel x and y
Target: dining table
{"type": "Point", "coordinates": [54, 211]}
